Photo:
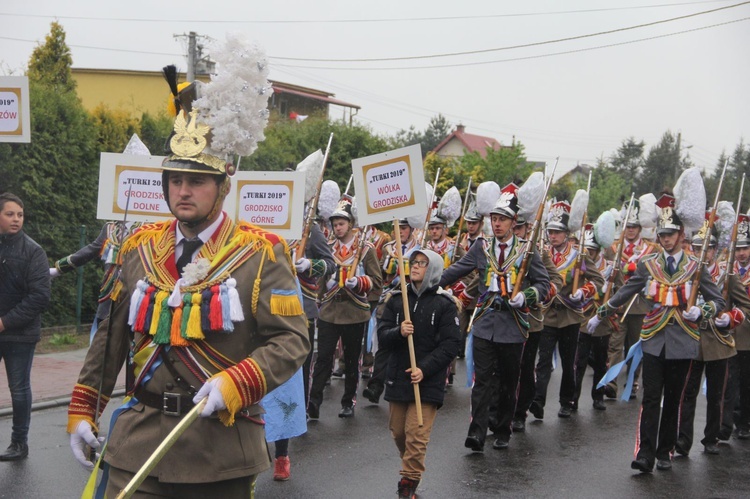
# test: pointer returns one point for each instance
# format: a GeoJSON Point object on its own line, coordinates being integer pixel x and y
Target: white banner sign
{"type": "Point", "coordinates": [389, 185]}
{"type": "Point", "coordinates": [274, 201]}
{"type": "Point", "coordinates": [15, 125]}
{"type": "Point", "coordinates": [131, 183]}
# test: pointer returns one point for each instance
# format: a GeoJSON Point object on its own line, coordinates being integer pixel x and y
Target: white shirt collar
{"type": "Point", "coordinates": [204, 235]}
{"type": "Point", "coordinates": [677, 256]}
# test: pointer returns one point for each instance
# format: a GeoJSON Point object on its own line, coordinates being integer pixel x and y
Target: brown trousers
{"type": "Point", "coordinates": [152, 488]}
{"type": "Point", "coordinates": [411, 439]}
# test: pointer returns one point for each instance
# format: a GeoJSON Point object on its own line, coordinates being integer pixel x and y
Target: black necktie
{"type": "Point", "coordinates": [188, 248]}
{"type": "Point", "coordinates": [670, 265]}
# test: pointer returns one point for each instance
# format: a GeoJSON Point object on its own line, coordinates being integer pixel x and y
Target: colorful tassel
{"type": "Point", "coordinates": [175, 336]}
{"type": "Point", "coordinates": [226, 314]}
{"type": "Point", "coordinates": [159, 298]}
{"type": "Point", "coordinates": [194, 331]}
{"type": "Point", "coordinates": [216, 319]}
{"type": "Point", "coordinates": [285, 302]}
{"type": "Point", "coordinates": [140, 321]}
{"type": "Point", "coordinates": [135, 301]}
{"type": "Point", "coordinates": [163, 320]}
{"type": "Point", "coordinates": [234, 301]}
{"type": "Point", "coordinates": [205, 310]}
{"type": "Point", "coordinates": [187, 306]}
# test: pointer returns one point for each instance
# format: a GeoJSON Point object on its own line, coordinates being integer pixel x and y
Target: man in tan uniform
{"type": "Point", "coordinates": [229, 326]}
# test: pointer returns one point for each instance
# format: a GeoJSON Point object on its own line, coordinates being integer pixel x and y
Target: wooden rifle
{"type": "Point", "coordinates": [429, 210]}
{"type": "Point", "coordinates": [313, 208]}
{"type": "Point", "coordinates": [732, 246]}
{"type": "Point", "coordinates": [581, 250]}
{"type": "Point", "coordinates": [535, 231]}
{"type": "Point", "coordinates": [706, 240]}
{"type": "Point", "coordinates": [461, 221]}
{"type": "Point", "coordinates": [617, 263]}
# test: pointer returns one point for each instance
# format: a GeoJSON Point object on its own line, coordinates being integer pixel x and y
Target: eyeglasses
{"type": "Point", "coordinates": [420, 263]}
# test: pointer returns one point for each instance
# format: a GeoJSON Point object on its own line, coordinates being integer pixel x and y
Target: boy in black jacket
{"type": "Point", "coordinates": [434, 326]}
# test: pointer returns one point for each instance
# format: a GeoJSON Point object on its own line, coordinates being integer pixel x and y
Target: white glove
{"type": "Point", "coordinates": [605, 287]}
{"type": "Point", "coordinates": [331, 283]}
{"type": "Point", "coordinates": [215, 400]}
{"type": "Point", "coordinates": [593, 324]}
{"type": "Point", "coordinates": [352, 282]}
{"type": "Point", "coordinates": [722, 320]}
{"type": "Point", "coordinates": [53, 272]}
{"type": "Point", "coordinates": [81, 440]}
{"type": "Point", "coordinates": [302, 265]}
{"type": "Point", "coordinates": [577, 296]}
{"type": "Point", "coordinates": [517, 301]}
{"type": "Point", "coordinates": [692, 314]}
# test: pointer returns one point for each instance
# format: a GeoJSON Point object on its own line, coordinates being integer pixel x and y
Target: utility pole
{"type": "Point", "coordinates": [192, 56]}
{"type": "Point", "coordinates": [679, 159]}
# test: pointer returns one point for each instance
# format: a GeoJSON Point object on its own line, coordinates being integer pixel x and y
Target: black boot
{"type": "Point", "coordinates": [15, 452]}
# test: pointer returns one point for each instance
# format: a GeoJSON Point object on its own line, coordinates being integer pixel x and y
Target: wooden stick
{"type": "Point", "coordinates": [161, 450]}
{"type": "Point", "coordinates": [407, 317]}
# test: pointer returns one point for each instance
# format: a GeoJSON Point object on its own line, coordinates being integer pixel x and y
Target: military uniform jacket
{"type": "Point", "coordinates": [628, 264]}
{"type": "Point", "coordinates": [272, 341]}
{"type": "Point", "coordinates": [718, 343]}
{"type": "Point", "coordinates": [739, 285]}
{"type": "Point", "coordinates": [536, 314]}
{"type": "Point", "coordinates": [446, 248]}
{"type": "Point", "coordinates": [341, 305]}
{"type": "Point", "coordinates": [562, 311]}
{"type": "Point", "coordinates": [612, 323]}
{"type": "Point", "coordinates": [321, 267]}
{"type": "Point", "coordinates": [495, 320]}
{"type": "Point", "coordinates": [664, 328]}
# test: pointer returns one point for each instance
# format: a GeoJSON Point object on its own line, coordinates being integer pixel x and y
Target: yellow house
{"type": "Point", "coordinates": [139, 92]}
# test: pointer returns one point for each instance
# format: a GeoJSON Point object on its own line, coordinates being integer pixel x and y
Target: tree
{"type": "Point", "coordinates": [628, 161]}
{"type": "Point", "coordinates": [114, 128]}
{"type": "Point", "coordinates": [154, 131]}
{"type": "Point", "coordinates": [436, 131]}
{"type": "Point", "coordinates": [50, 63]}
{"type": "Point", "coordinates": [662, 166]}
{"type": "Point", "coordinates": [57, 173]}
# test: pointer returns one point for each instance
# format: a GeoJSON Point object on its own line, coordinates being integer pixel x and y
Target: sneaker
{"type": "Point", "coordinates": [15, 452]}
{"type": "Point", "coordinates": [346, 412]}
{"type": "Point", "coordinates": [565, 411]}
{"type": "Point", "coordinates": [338, 373]}
{"type": "Point", "coordinates": [313, 410]}
{"type": "Point", "coordinates": [282, 469]}
{"type": "Point", "coordinates": [537, 410]}
{"type": "Point", "coordinates": [407, 488]}
{"type": "Point", "coordinates": [610, 391]}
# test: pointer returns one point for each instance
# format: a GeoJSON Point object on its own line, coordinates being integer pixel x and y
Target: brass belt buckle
{"type": "Point", "coordinates": [171, 404]}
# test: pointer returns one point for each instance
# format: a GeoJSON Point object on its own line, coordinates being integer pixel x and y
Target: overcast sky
{"type": "Point", "coordinates": [578, 105]}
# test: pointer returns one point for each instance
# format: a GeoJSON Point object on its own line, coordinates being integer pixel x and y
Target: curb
{"type": "Point", "coordinates": [52, 403]}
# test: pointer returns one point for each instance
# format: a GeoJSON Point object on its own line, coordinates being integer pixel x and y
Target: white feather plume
{"type": "Point", "coordinates": [725, 218]}
{"type": "Point", "coordinates": [604, 229]}
{"type": "Point", "coordinates": [617, 217]}
{"type": "Point", "coordinates": [312, 166]}
{"type": "Point", "coordinates": [355, 211]}
{"type": "Point", "coordinates": [417, 221]}
{"type": "Point", "coordinates": [487, 195]}
{"type": "Point", "coordinates": [648, 212]}
{"type": "Point", "coordinates": [449, 207]}
{"type": "Point", "coordinates": [330, 193]}
{"type": "Point", "coordinates": [234, 103]}
{"type": "Point", "coordinates": [577, 208]}
{"type": "Point", "coordinates": [690, 199]}
{"type": "Point", "coordinates": [530, 194]}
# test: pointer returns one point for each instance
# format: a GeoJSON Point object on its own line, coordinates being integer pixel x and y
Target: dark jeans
{"type": "Point", "coordinates": [730, 407]}
{"type": "Point", "coordinates": [496, 368]}
{"type": "Point", "coordinates": [566, 339]}
{"type": "Point", "coordinates": [527, 379]}
{"type": "Point", "coordinates": [716, 379]}
{"type": "Point", "coordinates": [658, 426]}
{"type": "Point", "coordinates": [596, 346]}
{"type": "Point", "coordinates": [328, 337]}
{"type": "Point", "coordinates": [18, 357]}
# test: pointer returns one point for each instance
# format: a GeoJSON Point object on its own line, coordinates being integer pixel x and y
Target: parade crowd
{"type": "Point", "coordinates": [209, 314]}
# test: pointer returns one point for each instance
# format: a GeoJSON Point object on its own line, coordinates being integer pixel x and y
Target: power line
{"type": "Point", "coordinates": [525, 58]}
{"type": "Point", "coordinates": [525, 45]}
{"type": "Point", "coordinates": [98, 48]}
{"type": "Point", "coordinates": [382, 20]}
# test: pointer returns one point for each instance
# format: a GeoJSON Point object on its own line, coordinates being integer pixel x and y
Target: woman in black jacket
{"type": "Point", "coordinates": [434, 328]}
{"type": "Point", "coordinates": [24, 294]}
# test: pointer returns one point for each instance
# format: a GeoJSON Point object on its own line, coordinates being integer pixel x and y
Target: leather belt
{"type": "Point", "coordinates": [169, 403]}
{"type": "Point", "coordinates": [499, 306]}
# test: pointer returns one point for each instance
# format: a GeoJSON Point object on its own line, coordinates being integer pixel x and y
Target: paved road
{"type": "Point", "coordinates": [586, 456]}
